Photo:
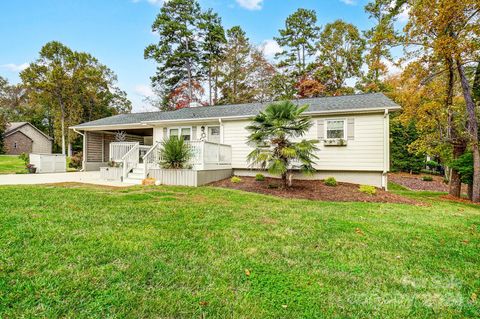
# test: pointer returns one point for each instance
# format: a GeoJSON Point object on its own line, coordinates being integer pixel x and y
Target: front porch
{"type": "Point", "coordinates": [131, 161]}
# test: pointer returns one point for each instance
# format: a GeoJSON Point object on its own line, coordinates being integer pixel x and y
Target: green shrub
{"type": "Point", "coordinates": [75, 161]}
{"type": "Point", "coordinates": [427, 171]}
{"type": "Point", "coordinates": [273, 186]}
{"type": "Point", "coordinates": [174, 153]}
{"type": "Point", "coordinates": [25, 158]}
{"type": "Point", "coordinates": [259, 177]}
{"type": "Point", "coordinates": [427, 178]}
{"type": "Point", "coordinates": [367, 189]}
{"type": "Point", "coordinates": [236, 179]}
{"type": "Point", "coordinates": [331, 181]}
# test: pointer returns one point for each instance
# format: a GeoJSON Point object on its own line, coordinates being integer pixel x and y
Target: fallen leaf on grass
{"type": "Point", "coordinates": [473, 297]}
{"type": "Point", "coordinates": [203, 303]}
{"type": "Point", "coordinates": [247, 272]}
{"type": "Point", "coordinates": [284, 306]}
{"type": "Point", "coordinates": [359, 231]}
{"type": "Point", "coordinates": [465, 241]}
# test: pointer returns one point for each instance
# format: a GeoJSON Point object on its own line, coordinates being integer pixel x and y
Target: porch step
{"type": "Point", "coordinates": [138, 170]}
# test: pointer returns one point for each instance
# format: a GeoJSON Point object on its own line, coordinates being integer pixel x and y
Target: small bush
{"type": "Point", "coordinates": [273, 186]}
{"type": "Point", "coordinates": [331, 181]}
{"type": "Point", "coordinates": [367, 189]}
{"type": "Point", "coordinates": [25, 158]}
{"type": "Point", "coordinates": [427, 178]}
{"type": "Point", "coordinates": [236, 180]}
{"type": "Point", "coordinates": [175, 153]}
{"type": "Point", "coordinates": [259, 177]}
{"type": "Point", "coordinates": [75, 161]}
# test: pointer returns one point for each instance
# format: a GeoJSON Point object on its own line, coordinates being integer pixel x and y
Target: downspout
{"type": "Point", "coordinates": [84, 149]}
{"type": "Point", "coordinates": [386, 149]}
{"type": "Point", "coordinates": [221, 130]}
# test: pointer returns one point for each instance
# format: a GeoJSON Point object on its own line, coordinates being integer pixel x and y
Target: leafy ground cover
{"type": "Point", "coordinates": [174, 252]}
{"type": "Point", "coordinates": [11, 164]}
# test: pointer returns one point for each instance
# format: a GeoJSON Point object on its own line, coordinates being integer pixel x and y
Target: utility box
{"type": "Point", "coordinates": [49, 163]}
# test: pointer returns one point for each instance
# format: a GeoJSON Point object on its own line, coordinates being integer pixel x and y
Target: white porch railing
{"type": "Point", "coordinates": [119, 149]}
{"type": "Point", "coordinates": [208, 155]}
{"type": "Point", "coordinates": [131, 160]}
{"type": "Point", "coordinates": [205, 156]}
{"type": "Point", "coordinates": [152, 157]}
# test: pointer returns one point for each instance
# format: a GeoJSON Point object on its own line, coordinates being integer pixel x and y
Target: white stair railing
{"type": "Point", "coordinates": [151, 158]}
{"type": "Point", "coordinates": [130, 160]}
{"type": "Point", "coordinates": [119, 149]}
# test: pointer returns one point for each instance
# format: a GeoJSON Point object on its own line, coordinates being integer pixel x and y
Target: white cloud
{"type": "Point", "coordinates": [270, 48]}
{"type": "Point", "coordinates": [14, 67]}
{"type": "Point", "coordinates": [144, 90]}
{"type": "Point", "coordinates": [251, 4]}
{"type": "Point", "coordinates": [349, 2]}
{"type": "Point", "coordinates": [404, 14]}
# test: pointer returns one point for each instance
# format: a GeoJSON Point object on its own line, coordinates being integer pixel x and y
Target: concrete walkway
{"type": "Point", "coordinates": [73, 177]}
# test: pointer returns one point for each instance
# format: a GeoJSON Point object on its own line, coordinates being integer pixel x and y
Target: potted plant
{"type": "Point", "coordinates": [175, 154]}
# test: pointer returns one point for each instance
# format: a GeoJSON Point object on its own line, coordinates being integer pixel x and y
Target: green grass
{"type": "Point", "coordinates": [10, 164]}
{"type": "Point", "coordinates": [174, 252]}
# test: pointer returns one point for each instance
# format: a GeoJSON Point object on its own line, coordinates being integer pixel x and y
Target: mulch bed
{"type": "Point", "coordinates": [314, 190]}
{"type": "Point", "coordinates": [414, 182]}
{"type": "Point", "coordinates": [458, 200]}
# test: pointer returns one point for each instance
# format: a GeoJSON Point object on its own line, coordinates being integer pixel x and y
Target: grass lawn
{"type": "Point", "coordinates": [11, 164]}
{"type": "Point", "coordinates": [173, 252]}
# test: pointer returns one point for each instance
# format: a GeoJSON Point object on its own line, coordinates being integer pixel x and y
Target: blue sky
{"type": "Point", "coordinates": [117, 31]}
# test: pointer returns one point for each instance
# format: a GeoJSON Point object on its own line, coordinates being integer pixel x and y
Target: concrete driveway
{"type": "Point", "coordinates": [73, 177]}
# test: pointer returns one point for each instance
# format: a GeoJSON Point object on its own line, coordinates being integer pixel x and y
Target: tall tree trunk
{"type": "Point", "coordinates": [459, 146]}
{"type": "Point", "coordinates": [62, 122]}
{"type": "Point", "coordinates": [210, 85]}
{"type": "Point", "coordinates": [473, 129]}
{"type": "Point", "coordinates": [455, 184]}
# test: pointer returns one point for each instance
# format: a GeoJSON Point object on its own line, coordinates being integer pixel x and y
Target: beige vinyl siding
{"type": "Point", "coordinates": [363, 153]}
{"type": "Point", "coordinates": [41, 144]}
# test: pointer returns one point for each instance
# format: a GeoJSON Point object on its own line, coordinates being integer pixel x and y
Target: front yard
{"type": "Point", "coordinates": [11, 164]}
{"type": "Point", "coordinates": [174, 252]}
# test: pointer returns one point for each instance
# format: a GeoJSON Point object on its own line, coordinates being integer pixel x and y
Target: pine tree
{"type": "Point", "coordinates": [235, 69]}
{"type": "Point", "coordinates": [298, 40]}
{"type": "Point", "coordinates": [178, 51]}
{"type": "Point", "coordinates": [213, 49]}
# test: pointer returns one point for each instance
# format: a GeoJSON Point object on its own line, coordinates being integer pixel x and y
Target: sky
{"type": "Point", "coordinates": [116, 32]}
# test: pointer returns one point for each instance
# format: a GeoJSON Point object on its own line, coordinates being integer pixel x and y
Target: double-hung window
{"type": "Point", "coordinates": [335, 129]}
{"type": "Point", "coordinates": [183, 132]}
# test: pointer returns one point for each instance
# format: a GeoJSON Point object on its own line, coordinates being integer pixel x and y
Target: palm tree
{"type": "Point", "coordinates": [272, 132]}
{"type": "Point", "coordinates": [174, 153]}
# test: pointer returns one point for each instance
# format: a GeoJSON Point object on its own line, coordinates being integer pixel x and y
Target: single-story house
{"type": "Point", "coordinates": [23, 137]}
{"type": "Point", "coordinates": [353, 132]}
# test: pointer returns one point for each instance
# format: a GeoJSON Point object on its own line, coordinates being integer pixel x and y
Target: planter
{"type": "Point", "coordinates": [111, 173]}
{"type": "Point", "coordinates": [32, 170]}
{"type": "Point", "coordinates": [335, 142]}
{"type": "Point", "coordinates": [187, 177]}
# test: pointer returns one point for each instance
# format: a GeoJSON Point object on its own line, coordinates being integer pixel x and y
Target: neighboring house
{"type": "Point", "coordinates": [23, 137]}
{"type": "Point", "coordinates": [353, 132]}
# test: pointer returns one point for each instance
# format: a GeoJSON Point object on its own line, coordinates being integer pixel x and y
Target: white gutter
{"type": "Point", "coordinates": [386, 149]}
{"type": "Point", "coordinates": [84, 154]}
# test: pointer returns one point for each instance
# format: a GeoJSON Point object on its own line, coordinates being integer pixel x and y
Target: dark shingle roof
{"type": "Point", "coordinates": [370, 101]}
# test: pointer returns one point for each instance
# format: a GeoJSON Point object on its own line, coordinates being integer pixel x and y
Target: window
{"type": "Point", "coordinates": [335, 129]}
{"type": "Point", "coordinates": [15, 145]}
{"type": "Point", "coordinates": [214, 134]}
{"type": "Point", "coordinates": [184, 132]}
